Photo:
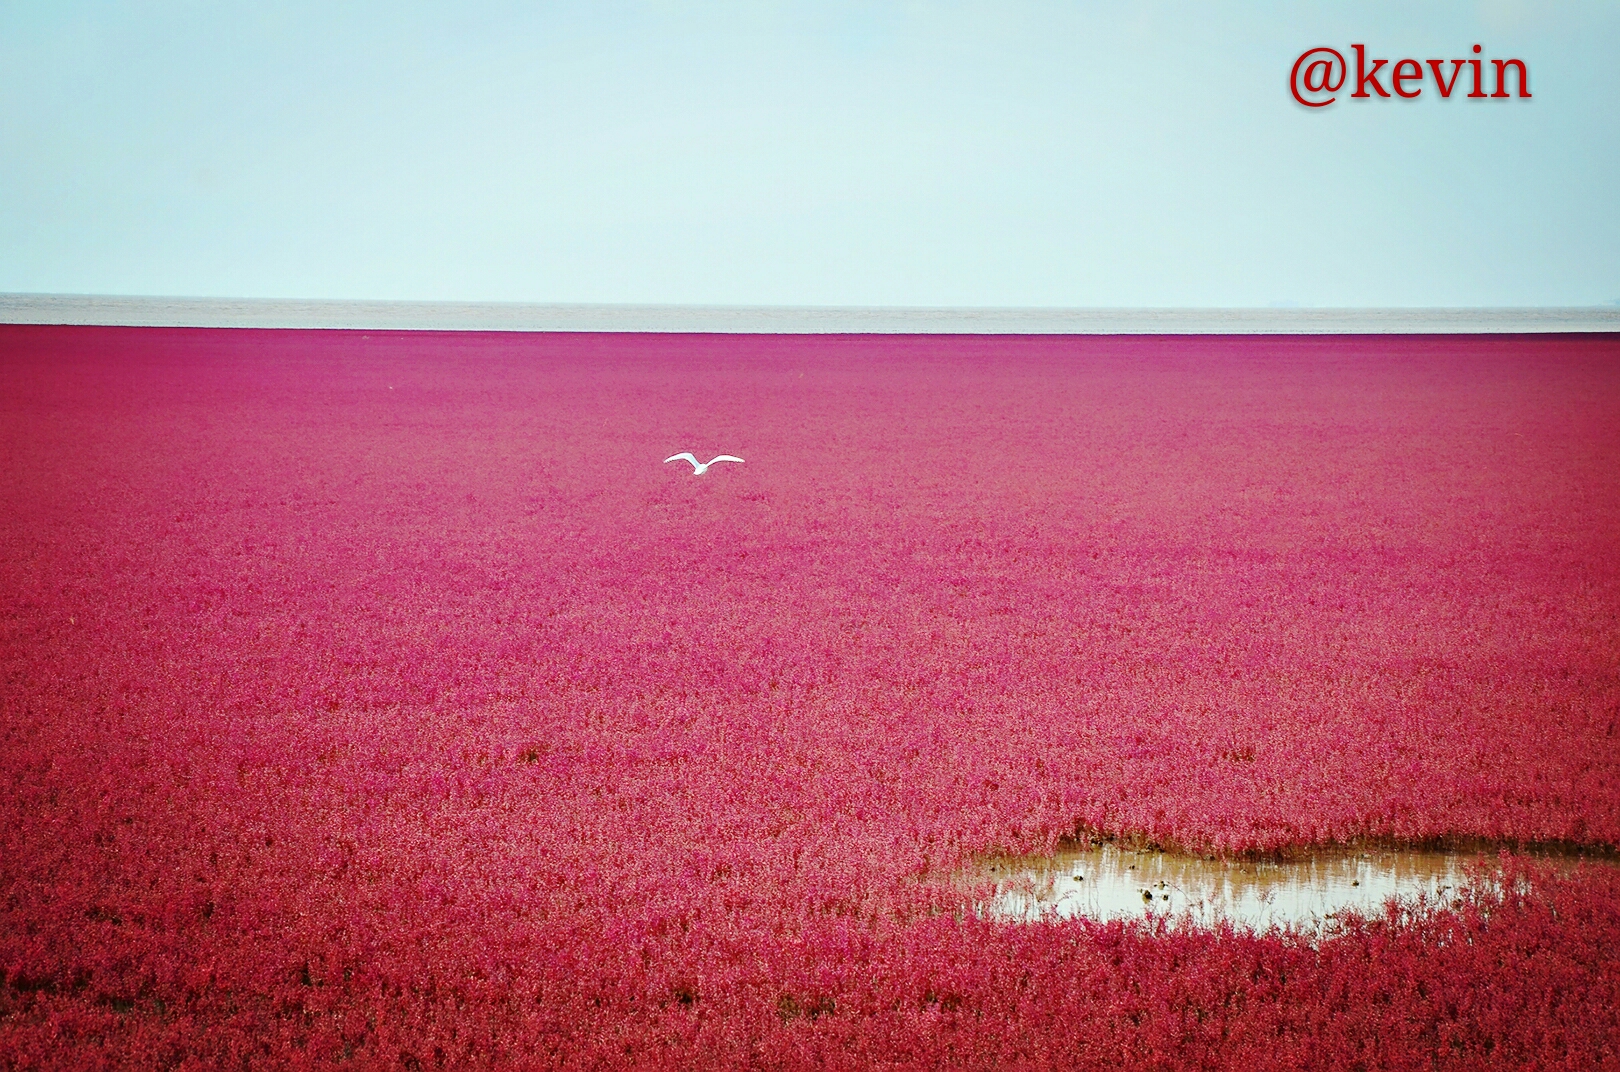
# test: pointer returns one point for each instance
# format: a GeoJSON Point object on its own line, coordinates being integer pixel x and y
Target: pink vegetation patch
{"type": "Point", "coordinates": [385, 701]}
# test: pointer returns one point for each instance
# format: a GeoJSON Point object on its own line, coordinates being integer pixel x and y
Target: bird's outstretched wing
{"type": "Point", "coordinates": [725, 458]}
{"type": "Point", "coordinates": [684, 455]}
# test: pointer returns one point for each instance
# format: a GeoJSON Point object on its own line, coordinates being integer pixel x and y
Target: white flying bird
{"type": "Point", "coordinates": [699, 468]}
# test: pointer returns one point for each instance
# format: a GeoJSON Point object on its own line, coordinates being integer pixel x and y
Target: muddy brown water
{"type": "Point", "coordinates": [1107, 882]}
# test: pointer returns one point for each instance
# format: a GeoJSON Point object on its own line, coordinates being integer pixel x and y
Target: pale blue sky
{"type": "Point", "coordinates": [1008, 153]}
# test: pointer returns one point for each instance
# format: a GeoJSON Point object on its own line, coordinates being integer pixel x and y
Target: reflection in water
{"type": "Point", "coordinates": [1112, 883]}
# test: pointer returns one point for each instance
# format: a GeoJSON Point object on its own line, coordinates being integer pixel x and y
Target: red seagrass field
{"type": "Point", "coordinates": [382, 700]}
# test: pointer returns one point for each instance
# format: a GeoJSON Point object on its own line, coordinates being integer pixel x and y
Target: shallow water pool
{"type": "Point", "coordinates": [1107, 882]}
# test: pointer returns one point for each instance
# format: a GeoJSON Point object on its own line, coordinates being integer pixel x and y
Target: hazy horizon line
{"type": "Point", "coordinates": [107, 310]}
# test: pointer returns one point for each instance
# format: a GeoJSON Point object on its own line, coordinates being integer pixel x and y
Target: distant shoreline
{"type": "Point", "coordinates": [71, 309]}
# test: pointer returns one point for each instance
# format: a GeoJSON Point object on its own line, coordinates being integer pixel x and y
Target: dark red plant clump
{"type": "Point", "coordinates": [382, 700]}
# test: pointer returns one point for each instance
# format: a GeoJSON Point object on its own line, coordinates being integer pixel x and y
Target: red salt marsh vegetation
{"type": "Point", "coordinates": [383, 701]}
